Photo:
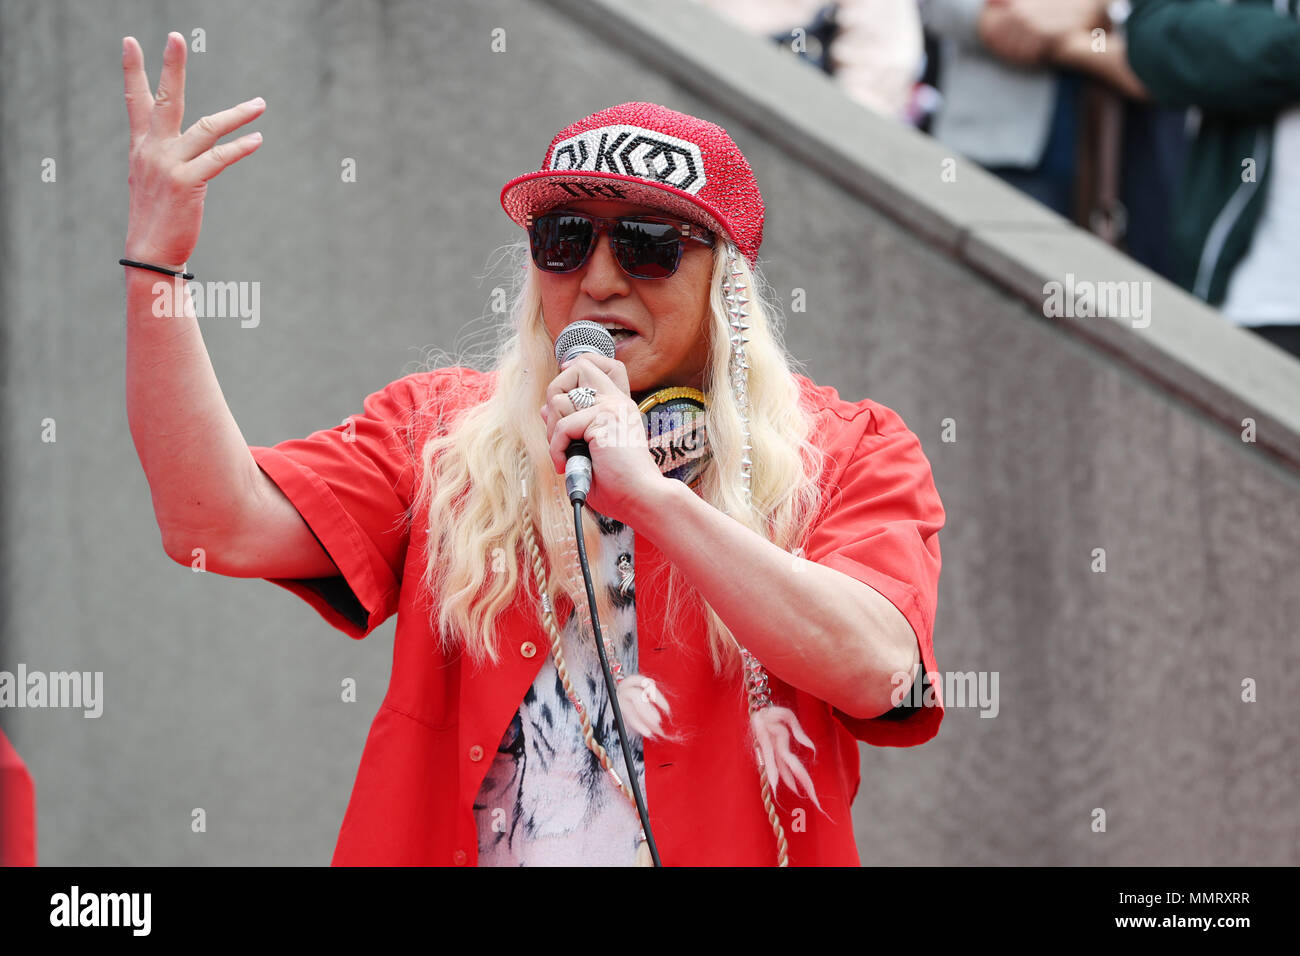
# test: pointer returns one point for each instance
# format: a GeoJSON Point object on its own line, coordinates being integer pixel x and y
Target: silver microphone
{"type": "Point", "coordinates": [577, 338]}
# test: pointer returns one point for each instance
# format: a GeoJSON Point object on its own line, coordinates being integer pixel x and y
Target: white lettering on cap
{"type": "Point", "coordinates": [633, 151]}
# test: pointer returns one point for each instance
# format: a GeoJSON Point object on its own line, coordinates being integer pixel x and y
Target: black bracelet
{"type": "Point", "coordinates": [166, 272]}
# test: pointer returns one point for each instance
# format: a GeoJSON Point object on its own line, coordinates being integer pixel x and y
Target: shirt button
{"type": "Point", "coordinates": [476, 752]}
{"type": "Point", "coordinates": [528, 648]}
{"type": "Point", "coordinates": [460, 857]}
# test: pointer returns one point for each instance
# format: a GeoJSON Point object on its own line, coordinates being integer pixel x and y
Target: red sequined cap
{"type": "Point", "coordinates": [647, 154]}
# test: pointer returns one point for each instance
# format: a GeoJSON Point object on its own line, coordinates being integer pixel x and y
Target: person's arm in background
{"type": "Point", "coordinates": [876, 54]}
{"type": "Point", "coordinates": [1202, 53]}
{"type": "Point", "coordinates": [1040, 34]}
{"type": "Point", "coordinates": [1077, 50]}
{"type": "Point", "coordinates": [1029, 32]}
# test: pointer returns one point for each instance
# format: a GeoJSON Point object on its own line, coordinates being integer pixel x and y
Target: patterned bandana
{"type": "Point", "coordinates": [676, 432]}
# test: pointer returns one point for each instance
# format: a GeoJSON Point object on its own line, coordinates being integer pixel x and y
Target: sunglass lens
{"type": "Point", "coordinates": [560, 243]}
{"type": "Point", "coordinates": [647, 250]}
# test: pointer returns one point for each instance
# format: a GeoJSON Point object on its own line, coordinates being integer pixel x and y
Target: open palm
{"type": "Point", "coordinates": [169, 170]}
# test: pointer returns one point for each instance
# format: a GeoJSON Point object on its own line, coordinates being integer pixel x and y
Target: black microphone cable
{"type": "Point", "coordinates": [576, 338]}
{"type": "Point", "coordinates": [610, 689]}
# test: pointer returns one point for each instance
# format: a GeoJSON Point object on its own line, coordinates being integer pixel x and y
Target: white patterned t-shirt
{"type": "Point", "coordinates": [546, 800]}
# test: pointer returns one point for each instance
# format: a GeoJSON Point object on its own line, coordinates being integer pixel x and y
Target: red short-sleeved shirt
{"type": "Point", "coordinates": [431, 742]}
{"type": "Point", "coordinates": [17, 808]}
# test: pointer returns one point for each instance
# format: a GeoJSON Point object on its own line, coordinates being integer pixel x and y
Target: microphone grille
{"type": "Point", "coordinates": [583, 336]}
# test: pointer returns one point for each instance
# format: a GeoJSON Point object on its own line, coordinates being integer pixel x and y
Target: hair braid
{"type": "Point", "coordinates": [782, 856]}
{"type": "Point", "coordinates": [557, 652]}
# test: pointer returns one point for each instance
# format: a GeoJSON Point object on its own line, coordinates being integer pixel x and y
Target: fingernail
{"type": "Point", "coordinates": [256, 101]}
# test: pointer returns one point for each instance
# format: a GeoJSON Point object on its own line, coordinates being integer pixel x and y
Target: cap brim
{"type": "Point", "coordinates": [535, 193]}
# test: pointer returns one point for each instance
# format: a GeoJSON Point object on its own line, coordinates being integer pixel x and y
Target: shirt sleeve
{"type": "Point", "coordinates": [1230, 58]}
{"type": "Point", "coordinates": [881, 525]}
{"type": "Point", "coordinates": [353, 484]}
{"type": "Point", "coordinates": [17, 808]}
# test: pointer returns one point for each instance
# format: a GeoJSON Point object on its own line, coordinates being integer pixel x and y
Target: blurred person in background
{"type": "Point", "coordinates": [873, 48]}
{"type": "Point", "coordinates": [1236, 235]}
{"type": "Point", "coordinates": [1014, 75]}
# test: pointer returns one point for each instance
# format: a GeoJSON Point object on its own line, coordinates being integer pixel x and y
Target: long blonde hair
{"type": "Point", "coordinates": [478, 501]}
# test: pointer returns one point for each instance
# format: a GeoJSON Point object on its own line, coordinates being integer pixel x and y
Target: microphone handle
{"type": "Point", "coordinates": [577, 470]}
{"type": "Point", "coordinates": [577, 457]}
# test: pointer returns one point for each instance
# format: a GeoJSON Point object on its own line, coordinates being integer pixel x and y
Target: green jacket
{"type": "Point", "coordinates": [1239, 63]}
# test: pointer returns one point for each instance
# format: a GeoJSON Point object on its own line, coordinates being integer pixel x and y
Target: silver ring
{"type": "Point", "coordinates": [584, 396]}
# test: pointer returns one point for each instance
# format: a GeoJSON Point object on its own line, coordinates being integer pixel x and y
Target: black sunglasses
{"type": "Point", "coordinates": [645, 247]}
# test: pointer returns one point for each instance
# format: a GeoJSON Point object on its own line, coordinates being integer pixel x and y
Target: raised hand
{"type": "Point", "coordinates": [169, 170]}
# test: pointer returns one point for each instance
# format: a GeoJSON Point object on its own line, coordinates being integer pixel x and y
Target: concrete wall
{"type": "Point", "coordinates": [1119, 690]}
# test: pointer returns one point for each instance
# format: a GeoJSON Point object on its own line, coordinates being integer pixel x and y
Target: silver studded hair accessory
{"type": "Point", "coordinates": [773, 727]}
{"type": "Point", "coordinates": [736, 296]}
